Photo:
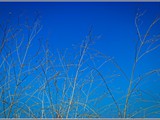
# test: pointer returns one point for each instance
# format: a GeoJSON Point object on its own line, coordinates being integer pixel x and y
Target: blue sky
{"type": "Point", "coordinates": [65, 24]}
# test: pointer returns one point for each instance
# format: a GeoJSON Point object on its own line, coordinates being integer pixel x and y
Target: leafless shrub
{"type": "Point", "coordinates": [68, 84]}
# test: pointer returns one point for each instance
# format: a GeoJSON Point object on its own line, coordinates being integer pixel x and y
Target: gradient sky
{"type": "Point", "coordinates": [65, 24]}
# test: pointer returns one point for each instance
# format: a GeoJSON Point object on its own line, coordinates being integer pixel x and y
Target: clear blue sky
{"type": "Point", "coordinates": [65, 24]}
